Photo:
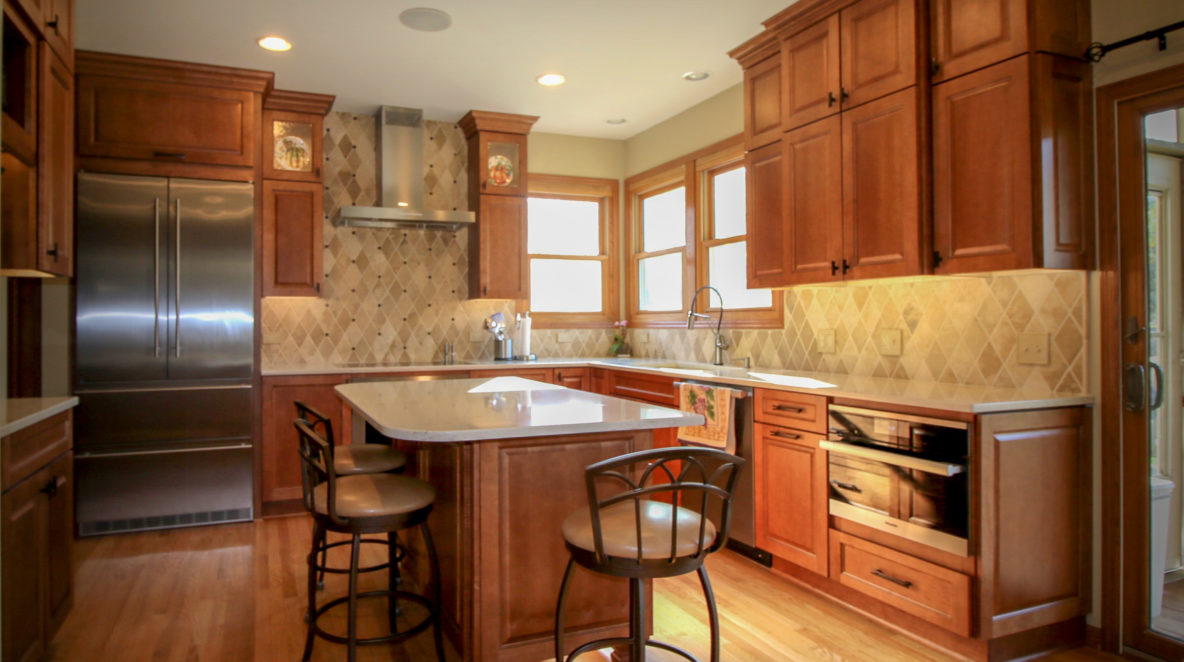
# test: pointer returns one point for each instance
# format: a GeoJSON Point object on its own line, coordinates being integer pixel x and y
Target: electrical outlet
{"type": "Point", "coordinates": [1032, 349]}
{"type": "Point", "coordinates": [826, 341]}
{"type": "Point", "coordinates": [565, 336]}
{"type": "Point", "coordinates": [888, 342]}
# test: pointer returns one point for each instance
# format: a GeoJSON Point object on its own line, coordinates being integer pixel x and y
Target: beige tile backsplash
{"type": "Point", "coordinates": [397, 295]}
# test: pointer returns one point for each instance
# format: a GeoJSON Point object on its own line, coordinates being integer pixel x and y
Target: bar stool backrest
{"type": "Point", "coordinates": [700, 479]}
{"type": "Point", "coordinates": [316, 456]}
{"type": "Point", "coordinates": [315, 419]}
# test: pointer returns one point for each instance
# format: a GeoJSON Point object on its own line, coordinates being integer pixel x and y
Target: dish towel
{"type": "Point", "coordinates": [717, 404]}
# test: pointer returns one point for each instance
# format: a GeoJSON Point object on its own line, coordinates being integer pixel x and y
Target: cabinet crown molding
{"type": "Point", "coordinates": [299, 102]}
{"type": "Point", "coordinates": [802, 14]}
{"type": "Point", "coordinates": [484, 120]}
{"type": "Point", "coordinates": [146, 68]}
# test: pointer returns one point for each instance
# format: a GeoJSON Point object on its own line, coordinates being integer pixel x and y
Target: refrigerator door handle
{"type": "Point", "coordinates": [177, 285]}
{"type": "Point", "coordinates": [156, 281]}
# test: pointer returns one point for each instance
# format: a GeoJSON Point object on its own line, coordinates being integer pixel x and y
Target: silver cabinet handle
{"type": "Point", "coordinates": [1157, 396]}
{"type": "Point", "coordinates": [177, 285]}
{"type": "Point", "coordinates": [1134, 386]}
{"type": "Point", "coordinates": [888, 457]}
{"type": "Point", "coordinates": [156, 281]}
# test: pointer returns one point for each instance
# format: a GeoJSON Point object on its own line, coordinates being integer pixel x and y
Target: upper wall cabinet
{"type": "Point", "coordinates": [158, 111]}
{"type": "Point", "coordinates": [762, 99]}
{"type": "Point", "coordinates": [866, 51]}
{"type": "Point", "coordinates": [971, 34]}
{"type": "Point", "coordinates": [54, 22]}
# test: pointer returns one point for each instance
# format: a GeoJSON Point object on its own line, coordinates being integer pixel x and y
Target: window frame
{"type": "Point", "coordinates": [690, 171]}
{"type": "Point", "coordinates": [607, 193]}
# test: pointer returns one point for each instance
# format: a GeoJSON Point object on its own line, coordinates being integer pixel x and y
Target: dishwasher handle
{"type": "Point", "coordinates": [888, 457]}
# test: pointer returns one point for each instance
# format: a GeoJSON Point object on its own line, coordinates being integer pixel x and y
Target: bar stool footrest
{"type": "Point", "coordinates": [384, 639]}
{"type": "Point", "coordinates": [626, 641]}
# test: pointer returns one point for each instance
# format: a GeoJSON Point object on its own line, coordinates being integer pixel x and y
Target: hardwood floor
{"type": "Point", "coordinates": [235, 592]}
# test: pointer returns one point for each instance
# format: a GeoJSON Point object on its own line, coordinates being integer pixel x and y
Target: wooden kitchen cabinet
{"type": "Point", "coordinates": [811, 224]}
{"type": "Point", "coordinates": [293, 223]}
{"type": "Point", "coordinates": [54, 22]}
{"type": "Point", "coordinates": [789, 470]}
{"type": "Point", "coordinates": [577, 378]}
{"type": "Point", "coordinates": [18, 122]}
{"type": "Point", "coordinates": [160, 113]}
{"type": "Point", "coordinates": [55, 166]}
{"type": "Point", "coordinates": [293, 141]}
{"type": "Point", "coordinates": [762, 102]}
{"type": "Point", "coordinates": [967, 36]}
{"type": "Point", "coordinates": [498, 267]}
{"type": "Point", "coordinates": [37, 533]}
{"type": "Point", "coordinates": [1012, 167]}
{"type": "Point", "coordinates": [765, 192]}
{"type": "Point", "coordinates": [280, 456]}
{"type": "Point", "coordinates": [858, 54]}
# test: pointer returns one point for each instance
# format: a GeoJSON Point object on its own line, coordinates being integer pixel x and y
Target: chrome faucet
{"type": "Point", "coordinates": [721, 343]}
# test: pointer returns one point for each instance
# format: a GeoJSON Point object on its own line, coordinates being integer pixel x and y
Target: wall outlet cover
{"type": "Point", "coordinates": [826, 341]}
{"type": "Point", "coordinates": [1032, 349]}
{"type": "Point", "coordinates": [889, 342]}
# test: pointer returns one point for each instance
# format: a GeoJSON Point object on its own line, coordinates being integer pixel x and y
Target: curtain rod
{"type": "Point", "coordinates": [1098, 50]}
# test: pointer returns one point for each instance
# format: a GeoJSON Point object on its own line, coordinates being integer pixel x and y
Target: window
{"type": "Point", "coordinates": [687, 228]}
{"type": "Point", "coordinates": [570, 244]}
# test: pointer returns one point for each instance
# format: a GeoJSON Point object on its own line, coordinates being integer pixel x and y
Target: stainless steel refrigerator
{"type": "Point", "coordinates": [164, 331]}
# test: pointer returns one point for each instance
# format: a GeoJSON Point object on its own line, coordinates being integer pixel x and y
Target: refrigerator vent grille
{"type": "Point", "coordinates": [100, 527]}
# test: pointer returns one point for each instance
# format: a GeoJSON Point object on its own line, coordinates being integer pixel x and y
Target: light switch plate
{"type": "Point", "coordinates": [888, 342]}
{"type": "Point", "coordinates": [826, 341]}
{"type": "Point", "coordinates": [1032, 349]}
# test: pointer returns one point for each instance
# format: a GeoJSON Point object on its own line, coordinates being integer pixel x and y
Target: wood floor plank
{"type": "Point", "coordinates": [236, 592]}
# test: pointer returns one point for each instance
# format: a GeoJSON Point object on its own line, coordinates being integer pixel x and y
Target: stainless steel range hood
{"type": "Point", "coordinates": [400, 180]}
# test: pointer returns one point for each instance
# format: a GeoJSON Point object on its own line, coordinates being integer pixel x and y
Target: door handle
{"type": "Point", "coordinates": [177, 285]}
{"type": "Point", "coordinates": [1134, 386]}
{"type": "Point", "coordinates": [156, 281]}
{"type": "Point", "coordinates": [1157, 394]}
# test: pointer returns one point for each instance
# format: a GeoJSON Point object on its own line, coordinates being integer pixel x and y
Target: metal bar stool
{"type": "Point", "coordinates": [630, 534]}
{"type": "Point", "coordinates": [362, 504]}
{"type": "Point", "coordinates": [350, 460]}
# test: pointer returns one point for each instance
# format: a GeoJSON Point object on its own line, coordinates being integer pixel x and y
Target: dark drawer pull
{"type": "Point", "coordinates": [168, 155]}
{"type": "Point", "coordinates": [895, 580]}
{"type": "Point", "coordinates": [785, 435]}
{"type": "Point", "coordinates": [51, 488]}
{"type": "Point", "coordinates": [789, 408]}
{"type": "Point", "coordinates": [850, 487]}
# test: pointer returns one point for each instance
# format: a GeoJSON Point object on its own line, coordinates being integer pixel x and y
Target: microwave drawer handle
{"type": "Point", "coordinates": [850, 487]}
{"type": "Point", "coordinates": [790, 408]}
{"type": "Point", "coordinates": [928, 466]}
{"type": "Point", "coordinates": [785, 435]}
{"type": "Point", "coordinates": [895, 580]}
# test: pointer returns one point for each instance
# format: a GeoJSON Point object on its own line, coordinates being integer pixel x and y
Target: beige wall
{"type": "Point", "coordinates": [711, 121]}
{"type": "Point", "coordinates": [1114, 20]}
{"type": "Point", "coordinates": [556, 154]}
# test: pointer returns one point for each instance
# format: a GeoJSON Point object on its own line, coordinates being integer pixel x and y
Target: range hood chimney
{"type": "Point", "coordinates": [400, 180]}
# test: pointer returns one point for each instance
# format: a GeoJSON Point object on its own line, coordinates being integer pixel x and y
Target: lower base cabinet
{"type": "Point", "coordinates": [789, 471]}
{"type": "Point", "coordinates": [280, 456]}
{"type": "Point", "coordinates": [37, 536]}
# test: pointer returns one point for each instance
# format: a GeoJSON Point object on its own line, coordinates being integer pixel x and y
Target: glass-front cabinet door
{"type": "Point", "coordinates": [292, 145]}
{"type": "Point", "coordinates": [503, 163]}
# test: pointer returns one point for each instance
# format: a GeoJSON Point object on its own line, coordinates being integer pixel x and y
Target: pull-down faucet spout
{"type": "Point", "coordinates": [721, 343]}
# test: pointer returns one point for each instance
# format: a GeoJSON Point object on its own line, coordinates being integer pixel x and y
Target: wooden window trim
{"type": "Point", "coordinates": [607, 192]}
{"type": "Point", "coordinates": [687, 171]}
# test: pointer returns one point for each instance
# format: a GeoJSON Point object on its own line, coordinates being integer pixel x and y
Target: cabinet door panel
{"type": "Point", "coordinates": [982, 170]}
{"type": "Point", "coordinates": [791, 496]}
{"type": "Point", "coordinates": [292, 238]}
{"type": "Point", "coordinates": [766, 244]}
{"type": "Point", "coordinates": [881, 195]}
{"type": "Point", "coordinates": [879, 49]}
{"type": "Point", "coordinates": [55, 164]}
{"type": "Point", "coordinates": [293, 160]}
{"type": "Point", "coordinates": [577, 378]}
{"type": "Point", "coordinates": [24, 539]}
{"type": "Point", "coordinates": [810, 74]}
{"type": "Point", "coordinates": [813, 224]}
{"type": "Point", "coordinates": [59, 29]}
{"type": "Point", "coordinates": [60, 538]}
{"type": "Point", "coordinates": [1062, 94]}
{"type": "Point", "coordinates": [501, 233]}
{"type": "Point", "coordinates": [972, 34]}
{"type": "Point", "coordinates": [281, 459]}
{"type": "Point", "coordinates": [762, 103]}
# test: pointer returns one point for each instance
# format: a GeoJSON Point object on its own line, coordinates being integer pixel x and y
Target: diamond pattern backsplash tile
{"type": "Point", "coordinates": [397, 295]}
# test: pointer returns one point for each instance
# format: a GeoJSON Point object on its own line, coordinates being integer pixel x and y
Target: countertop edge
{"type": "Point", "coordinates": [53, 407]}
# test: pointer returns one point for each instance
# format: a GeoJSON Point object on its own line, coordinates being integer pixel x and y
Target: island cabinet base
{"type": "Point", "coordinates": [496, 525]}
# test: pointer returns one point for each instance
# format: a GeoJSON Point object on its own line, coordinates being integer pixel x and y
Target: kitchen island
{"type": "Point", "coordinates": [507, 458]}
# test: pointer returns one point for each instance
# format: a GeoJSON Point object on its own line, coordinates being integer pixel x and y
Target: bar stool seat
{"type": "Point", "coordinates": [618, 528]}
{"type": "Point", "coordinates": [353, 459]}
{"type": "Point", "coordinates": [375, 495]}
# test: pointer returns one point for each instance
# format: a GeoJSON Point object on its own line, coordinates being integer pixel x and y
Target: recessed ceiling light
{"type": "Point", "coordinates": [551, 80]}
{"type": "Point", "coordinates": [695, 76]}
{"type": "Point", "coordinates": [616, 120]}
{"type": "Point", "coordinates": [274, 43]}
{"type": "Point", "coordinates": [425, 19]}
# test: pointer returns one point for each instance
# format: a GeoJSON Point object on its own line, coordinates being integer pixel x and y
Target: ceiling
{"type": "Point", "coordinates": [622, 58]}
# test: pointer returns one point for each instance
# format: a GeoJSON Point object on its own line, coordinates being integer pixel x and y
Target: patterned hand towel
{"type": "Point", "coordinates": [717, 405]}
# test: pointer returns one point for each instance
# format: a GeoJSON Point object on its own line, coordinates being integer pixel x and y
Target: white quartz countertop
{"type": "Point", "coordinates": [907, 392]}
{"type": "Point", "coordinates": [498, 408]}
{"type": "Point", "coordinates": [20, 413]}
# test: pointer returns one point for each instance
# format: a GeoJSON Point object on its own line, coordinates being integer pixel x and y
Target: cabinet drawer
{"type": "Point", "coordinates": [798, 410]}
{"type": "Point", "coordinates": [25, 451]}
{"type": "Point", "coordinates": [648, 388]}
{"type": "Point", "coordinates": [927, 591]}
